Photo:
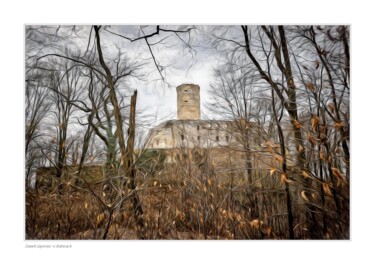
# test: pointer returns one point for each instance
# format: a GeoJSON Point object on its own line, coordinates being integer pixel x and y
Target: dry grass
{"type": "Point", "coordinates": [190, 202]}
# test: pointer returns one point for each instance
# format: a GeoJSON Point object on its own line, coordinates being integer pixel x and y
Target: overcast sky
{"type": "Point", "coordinates": [186, 58]}
{"type": "Point", "coordinates": [182, 65]}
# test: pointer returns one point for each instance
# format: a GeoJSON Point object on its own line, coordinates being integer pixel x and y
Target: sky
{"type": "Point", "coordinates": [185, 58]}
{"type": "Point", "coordinates": [182, 65]}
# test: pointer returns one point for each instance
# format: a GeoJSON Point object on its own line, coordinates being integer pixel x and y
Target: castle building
{"type": "Point", "coordinates": [189, 130]}
{"type": "Point", "coordinates": [188, 102]}
{"type": "Point", "coordinates": [227, 141]}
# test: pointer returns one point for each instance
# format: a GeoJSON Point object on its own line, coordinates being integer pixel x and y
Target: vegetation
{"type": "Point", "coordinates": [286, 87]}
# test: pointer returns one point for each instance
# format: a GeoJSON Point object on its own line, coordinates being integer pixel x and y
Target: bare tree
{"type": "Point", "coordinates": [284, 60]}
{"type": "Point", "coordinates": [277, 167]}
{"type": "Point", "coordinates": [37, 104]}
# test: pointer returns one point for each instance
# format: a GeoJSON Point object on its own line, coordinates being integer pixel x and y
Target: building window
{"type": "Point", "coordinates": [186, 90]}
{"type": "Point", "coordinates": [199, 138]}
{"type": "Point", "coordinates": [182, 137]}
{"type": "Point", "coordinates": [186, 101]}
{"type": "Point", "coordinates": [217, 137]}
{"type": "Point", "coordinates": [197, 127]}
{"type": "Point", "coordinates": [226, 138]}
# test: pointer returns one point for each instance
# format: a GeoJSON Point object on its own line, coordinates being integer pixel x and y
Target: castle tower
{"type": "Point", "coordinates": [188, 102]}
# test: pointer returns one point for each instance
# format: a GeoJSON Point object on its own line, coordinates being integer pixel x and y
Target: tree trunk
{"type": "Point", "coordinates": [125, 160]}
{"type": "Point", "coordinates": [132, 171]}
{"type": "Point", "coordinates": [284, 169]}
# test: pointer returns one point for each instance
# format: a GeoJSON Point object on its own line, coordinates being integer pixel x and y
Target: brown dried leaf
{"type": "Point", "coordinates": [326, 189]}
{"type": "Point", "coordinates": [270, 149]}
{"type": "Point", "coordinates": [100, 219]}
{"type": "Point", "coordinates": [310, 86]}
{"type": "Point", "coordinates": [311, 139]}
{"type": "Point", "coordinates": [279, 158]}
{"type": "Point", "coordinates": [321, 154]}
{"type": "Point", "coordinates": [305, 174]}
{"type": "Point", "coordinates": [209, 182]}
{"type": "Point", "coordinates": [284, 179]}
{"type": "Point", "coordinates": [224, 213]}
{"type": "Point", "coordinates": [339, 125]}
{"type": "Point", "coordinates": [297, 124]}
{"type": "Point", "coordinates": [238, 217]}
{"type": "Point", "coordinates": [336, 172]}
{"type": "Point", "coordinates": [323, 137]}
{"type": "Point", "coordinates": [256, 223]}
{"type": "Point", "coordinates": [331, 107]}
{"type": "Point", "coordinates": [242, 224]}
{"type": "Point", "coordinates": [180, 216]}
{"type": "Point", "coordinates": [230, 215]}
{"type": "Point", "coordinates": [268, 230]}
{"type": "Point", "coordinates": [314, 122]}
{"type": "Point", "coordinates": [304, 196]}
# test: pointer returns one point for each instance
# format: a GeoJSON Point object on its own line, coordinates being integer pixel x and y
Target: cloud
{"type": "Point", "coordinates": [157, 101]}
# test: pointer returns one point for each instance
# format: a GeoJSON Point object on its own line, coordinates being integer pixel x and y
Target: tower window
{"type": "Point", "coordinates": [197, 127]}
{"type": "Point", "coordinates": [182, 137]}
{"type": "Point", "coordinates": [186, 90]}
{"type": "Point", "coordinates": [199, 138]}
{"type": "Point", "coordinates": [226, 138]}
{"type": "Point", "coordinates": [185, 100]}
{"type": "Point", "coordinates": [217, 137]}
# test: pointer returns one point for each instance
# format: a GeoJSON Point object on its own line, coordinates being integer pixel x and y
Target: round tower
{"type": "Point", "coordinates": [188, 102]}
